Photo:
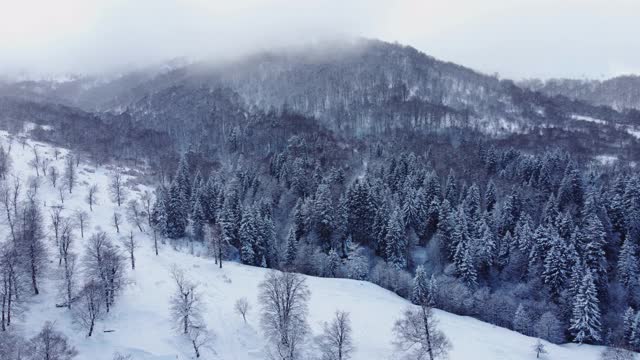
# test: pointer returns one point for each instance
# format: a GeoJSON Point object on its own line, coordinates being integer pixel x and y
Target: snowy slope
{"type": "Point", "coordinates": [140, 320]}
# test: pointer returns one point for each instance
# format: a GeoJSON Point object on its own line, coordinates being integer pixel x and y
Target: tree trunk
{"type": "Point", "coordinates": [426, 332]}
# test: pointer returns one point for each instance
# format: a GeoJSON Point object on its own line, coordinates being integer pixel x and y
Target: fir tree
{"type": "Point", "coordinates": [176, 216]}
{"type": "Point", "coordinates": [420, 291]}
{"type": "Point", "coordinates": [198, 219]}
{"type": "Point", "coordinates": [627, 323]}
{"type": "Point", "coordinates": [324, 215]}
{"type": "Point", "coordinates": [248, 234]}
{"type": "Point", "coordinates": [291, 250]}
{"type": "Point", "coordinates": [465, 268]}
{"type": "Point", "coordinates": [585, 320]}
{"type": "Point", "coordinates": [628, 264]}
{"type": "Point", "coordinates": [396, 241]}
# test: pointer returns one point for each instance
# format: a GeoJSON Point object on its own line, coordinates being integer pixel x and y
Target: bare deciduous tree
{"type": "Point", "coordinates": [130, 244]}
{"type": "Point", "coordinates": [35, 162]}
{"type": "Point", "coordinates": [62, 193]}
{"type": "Point", "coordinates": [11, 282]}
{"type": "Point", "coordinates": [284, 297]}
{"type": "Point", "coordinates": [44, 165]}
{"type": "Point", "coordinates": [53, 175]}
{"type": "Point", "coordinates": [242, 307]}
{"type": "Point", "coordinates": [116, 221]}
{"type": "Point", "coordinates": [91, 196]}
{"type": "Point", "coordinates": [89, 308]}
{"type": "Point", "coordinates": [417, 337]}
{"type": "Point", "coordinates": [50, 344]}
{"type": "Point", "coordinates": [82, 219]}
{"type": "Point", "coordinates": [116, 187]}
{"type": "Point", "coordinates": [186, 311]}
{"type": "Point", "coordinates": [70, 175]}
{"type": "Point", "coordinates": [335, 342]}
{"type": "Point", "coordinates": [104, 264]}
{"type": "Point", "coordinates": [32, 236]}
{"type": "Point", "coordinates": [147, 203]}
{"type": "Point", "coordinates": [539, 349]}
{"type": "Point", "coordinates": [5, 163]}
{"type": "Point", "coordinates": [134, 214]}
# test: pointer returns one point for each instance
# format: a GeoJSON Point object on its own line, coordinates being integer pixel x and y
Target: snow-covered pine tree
{"type": "Point", "coordinates": [522, 321]}
{"type": "Point", "coordinates": [324, 215]}
{"type": "Point", "coordinates": [183, 178]}
{"type": "Point", "coordinates": [230, 217]}
{"type": "Point", "coordinates": [176, 215]}
{"type": "Point", "coordinates": [593, 251]}
{"type": "Point", "coordinates": [554, 271]}
{"type": "Point", "coordinates": [159, 211]}
{"type": "Point", "coordinates": [420, 289]}
{"type": "Point", "coordinates": [292, 249]}
{"type": "Point", "coordinates": [396, 241]}
{"type": "Point", "coordinates": [465, 266]}
{"type": "Point", "coordinates": [627, 324]}
{"type": "Point", "coordinates": [585, 320]}
{"type": "Point", "coordinates": [628, 264]}
{"type": "Point", "coordinates": [490, 197]}
{"type": "Point", "coordinates": [248, 236]}
{"type": "Point", "coordinates": [198, 219]}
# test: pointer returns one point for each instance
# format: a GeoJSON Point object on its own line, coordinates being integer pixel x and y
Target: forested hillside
{"type": "Point", "coordinates": [380, 163]}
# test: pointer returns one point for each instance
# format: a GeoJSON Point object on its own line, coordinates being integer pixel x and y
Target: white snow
{"type": "Point", "coordinates": [140, 320]}
{"type": "Point", "coordinates": [588, 118]}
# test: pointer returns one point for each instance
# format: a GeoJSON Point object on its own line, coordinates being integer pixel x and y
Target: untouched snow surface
{"type": "Point", "coordinates": [140, 321]}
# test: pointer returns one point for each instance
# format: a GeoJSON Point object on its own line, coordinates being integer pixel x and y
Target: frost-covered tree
{"type": "Point", "coordinates": [91, 197]}
{"type": "Point", "coordinates": [283, 297]}
{"type": "Point", "coordinates": [628, 264]}
{"type": "Point", "coordinates": [585, 319]}
{"type": "Point", "coordinates": [242, 307]}
{"type": "Point", "coordinates": [176, 218]}
{"type": "Point", "coordinates": [50, 344]}
{"type": "Point", "coordinates": [548, 327]}
{"type": "Point", "coordinates": [416, 335]}
{"type": "Point", "coordinates": [336, 340]}
{"type": "Point", "coordinates": [539, 349]}
{"type": "Point", "coordinates": [522, 320]}
{"type": "Point", "coordinates": [117, 188]}
{"type": "Point", "coordinates": [420, 292]}
{"type": "Point", "coordinates": [396, 241]}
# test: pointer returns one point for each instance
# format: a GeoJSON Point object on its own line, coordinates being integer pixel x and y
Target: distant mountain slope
{"type": "Point", "coordinates": [622, 92]}
{"type": "Point", "coordinates": [365, 88]}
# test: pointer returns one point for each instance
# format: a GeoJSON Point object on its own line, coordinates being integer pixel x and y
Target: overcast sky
{"type": "Point", "coordinates": [516, 38]}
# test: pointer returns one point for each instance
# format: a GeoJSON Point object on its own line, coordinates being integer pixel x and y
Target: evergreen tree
{"type": "Point", "coordinates": [490, 197]}
{"type": "Point", "coordinates": [248, 234]}
{"type": "Point", "coordinates": [299, 219]}
{"type": "Point", "coordinates": [593, 250]}
{"type": "Point", "coordinates": [230, 218]}
{"type": "Point", "coordinates": [451, 189]}
{"type": "Point", "coordinates": [159, 211]}
{"type": "Point", "coordinates": [324, 215]}
{"type": "Point", "coordinates": [466, 269]}
{"type": "Point", "coordinates": [554, 273]}
{"type": "Point", "coordinates": [521, 320]}
{"type": "Point", "coordinates": [634, 338]}
{"type": "Point", "coordinates": [585, 320]}
{"type": "Point", "coordinates": [198, 219]}
{"type": "Point", "coordinates": [420, 291]}
{"type": "Point", "coordinates": [291, 250]}
{"type": "Point", "coordinates": [396, 241]}
{"type": "Point", "coordinates": [628, 264]}
{"type": "Point", "coordinates": [176, 216]}
{"type": "Point", "coordinates": [183, 181]}
{"type": "Point", "coordinates": [627, 323]}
